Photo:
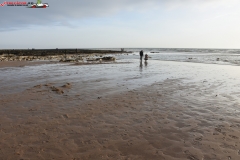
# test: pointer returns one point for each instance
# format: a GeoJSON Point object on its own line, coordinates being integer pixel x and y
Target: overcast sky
{"type": "Point", "coordinates": [122, 24]}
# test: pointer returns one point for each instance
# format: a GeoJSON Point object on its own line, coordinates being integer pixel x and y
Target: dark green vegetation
{"type": "Point", "coordinates": [50, 52]}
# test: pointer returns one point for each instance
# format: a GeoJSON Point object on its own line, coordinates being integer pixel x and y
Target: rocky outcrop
{"type": "Point", "coordinates": [108, 58]}
{"type": "Point", "coordinates": [60, 58]}
{"type": "Point", "coordinates": [102, 59]}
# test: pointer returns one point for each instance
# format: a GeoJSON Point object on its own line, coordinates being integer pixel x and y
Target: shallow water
{"type": "Point", "coordinates": [111, 78]}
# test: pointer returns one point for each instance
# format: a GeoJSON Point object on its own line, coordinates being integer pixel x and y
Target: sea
{"type": "Point", "coordinates": [208, 56]}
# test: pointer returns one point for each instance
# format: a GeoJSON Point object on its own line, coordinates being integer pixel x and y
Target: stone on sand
{"type": "Point", "coordinates": [57, 90]}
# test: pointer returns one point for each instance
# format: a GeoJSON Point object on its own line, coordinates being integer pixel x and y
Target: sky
{"type": "Point", "coordinates": [122, 24]}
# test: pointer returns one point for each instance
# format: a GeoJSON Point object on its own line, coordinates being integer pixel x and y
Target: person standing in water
{"type": "Point", "coordinates": [146, 57]}
{"type": "Point", "coordinates": [141, 55]}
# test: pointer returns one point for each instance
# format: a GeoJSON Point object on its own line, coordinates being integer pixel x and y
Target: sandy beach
{"type": "Point", "coordinates": [156, 110]}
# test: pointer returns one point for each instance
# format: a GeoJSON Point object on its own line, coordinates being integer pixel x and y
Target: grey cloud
{"type": "Point", "coordinates": [62, 12]}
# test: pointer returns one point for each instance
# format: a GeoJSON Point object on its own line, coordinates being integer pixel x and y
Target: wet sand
{"type": "Point", "coordinates": [24, 63]}
{"type": "Point", "coordinates": [166, 119]}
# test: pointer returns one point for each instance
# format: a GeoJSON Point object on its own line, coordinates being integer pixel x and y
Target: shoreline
{"type": "Point", "coordinates": [24, 63]}
{"type": "Point", "coordinates": [7, 64]}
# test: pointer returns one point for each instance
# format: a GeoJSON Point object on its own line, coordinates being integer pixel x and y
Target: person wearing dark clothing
{"type": "Point", "coordinates": [141, 55]}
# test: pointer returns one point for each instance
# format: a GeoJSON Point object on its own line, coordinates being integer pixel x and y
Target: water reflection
{"type": "Point", "coordinates": [141, 65]}
{"type": "Point", "coordinates": [145, 63]}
